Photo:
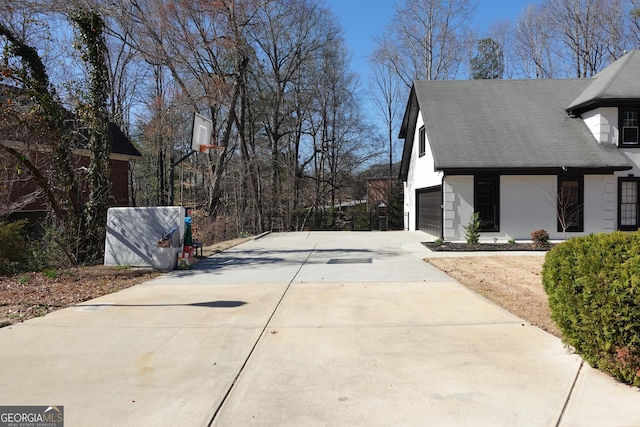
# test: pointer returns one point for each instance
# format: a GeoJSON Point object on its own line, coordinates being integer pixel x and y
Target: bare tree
{"type": "Point", "coordinates": [566, 202]}
{"type": "Point", "coordinates": [568, 209]}
{"type": "Point", "coordinates": [533, 46]}
{"type": "Point", "coordinates": [429, 39]}
{"type": "Point", "coordinates": [290, 37]}
{"type": "Point", "coordinates": [589, 31]}
{"type": "Point", "coordinates": [634, 23]}
{"type": "Point", "coordinates": [203, 47]}
{"type": "Point", "coordinates": [503, 33]}
{"type": "Point", "coordinates": [385, 91]}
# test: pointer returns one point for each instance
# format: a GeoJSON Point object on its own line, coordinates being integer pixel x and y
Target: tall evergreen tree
{"type": "Point", "coordinates": [488, 62]}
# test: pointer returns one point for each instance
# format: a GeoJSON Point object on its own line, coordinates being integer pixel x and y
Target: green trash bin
{"type": "Point", "coordinates": [188, 238]}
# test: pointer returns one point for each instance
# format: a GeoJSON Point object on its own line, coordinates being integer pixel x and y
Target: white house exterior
{"type": "Point", "coordinates": [522, 152]}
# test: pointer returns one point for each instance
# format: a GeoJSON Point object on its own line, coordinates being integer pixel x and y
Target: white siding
{"type": "Point", "coordinates": [421, 174]}
{"type": "Point", "coordinates": [600, 199]}
{"type": "Point", "coordinates": [603, 124]}
{"type": "Point", "coordinates": [457, 192]}
{"type": "Point", "coordinates": [633, 155]}
{"type": "Point", "coordinates": [527, 203]}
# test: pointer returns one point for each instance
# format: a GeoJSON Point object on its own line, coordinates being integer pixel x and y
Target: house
{"type": "Point", "coordinates": [20, 190]}
{"type": "Point", "coordinates": [559, 155]}
{"type": "Point", "coordinates": [378, 190]}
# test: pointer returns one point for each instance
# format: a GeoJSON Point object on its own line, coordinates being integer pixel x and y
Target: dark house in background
{"type": "Point", "coordinates": [18, 184]}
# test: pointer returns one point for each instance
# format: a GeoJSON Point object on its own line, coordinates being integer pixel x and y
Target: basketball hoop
{"type": "Point", "coordinates": [204, 148]}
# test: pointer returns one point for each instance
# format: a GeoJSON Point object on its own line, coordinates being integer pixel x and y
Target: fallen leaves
{"type": "Point", "coordinates": [30, 295]}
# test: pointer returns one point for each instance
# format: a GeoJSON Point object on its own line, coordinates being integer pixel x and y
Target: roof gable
{"type": "Point", "coordinates": [407, 130]}
{"type": "Point", "coordinates": [619, 82]}
{"type": "Point", "coordinates": [120, 143]}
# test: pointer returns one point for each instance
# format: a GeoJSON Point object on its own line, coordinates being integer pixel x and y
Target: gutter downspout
{"type": "Point", "coordinates": [444, 174]}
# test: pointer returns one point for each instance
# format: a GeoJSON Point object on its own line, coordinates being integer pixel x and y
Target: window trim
{"type": "Point", "coordinates": [476, 201]}
{"type": "Point", "coordinates": [422, 141]}
{"type": "Point", "coordinates": [621, 112]}
{"type": "Point", "coordinates": [580, 180]}
{"type": "Point", "coordinates": [622, 179]}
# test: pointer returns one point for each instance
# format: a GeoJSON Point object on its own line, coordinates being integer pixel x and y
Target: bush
{"type": "Point", "coordinates": [471, 231]}
{"type": "Point", "coordinates": [13, 248]}
{"type": "Point", "coordinates": [48, 249]}
{"type": "Point", "coordinates": [540, 238]}
{"type": "Point", "coordinates": [593, 286]}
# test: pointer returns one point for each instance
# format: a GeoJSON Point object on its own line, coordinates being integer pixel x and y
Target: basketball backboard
{"type": "Point", "coordinates": [201, 133]}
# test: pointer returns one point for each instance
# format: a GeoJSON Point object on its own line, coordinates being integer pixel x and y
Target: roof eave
{"type": "Point", "coordinates": [577, 110]}
{"type": "Point", "coordinates": [542, 170]}
{"type": "Point", "coordinates": [407, 132]}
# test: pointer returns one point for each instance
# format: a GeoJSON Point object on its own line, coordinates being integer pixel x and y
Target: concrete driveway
{"type": "Point", "coordinates": [304, 329]}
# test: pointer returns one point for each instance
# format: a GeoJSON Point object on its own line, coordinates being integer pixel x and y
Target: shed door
{"type": "Point", "coordinates": [429, 210]}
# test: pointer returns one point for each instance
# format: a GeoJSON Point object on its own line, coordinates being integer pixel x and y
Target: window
{"type": "Point", "coordinates": [569, 203]}
{"type": "Point", "coordinates": [628, 203]}
{"type": "Point", "coordinates": [423, 142]}
{"type": "Point", "coordinates": [629, 127]}
{"type": "Point", "coordinates": [486, 201]}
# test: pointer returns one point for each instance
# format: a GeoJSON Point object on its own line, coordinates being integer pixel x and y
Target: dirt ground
{"type": "Point", "coordinates": [30, 295]}
{"type": "Point", "coordinates": [512, 282]}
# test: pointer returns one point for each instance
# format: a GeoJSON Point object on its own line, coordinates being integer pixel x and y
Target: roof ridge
{"type": "Point", "coordinates": [616, 71]}
{"type": "Point", "coordinates": [605, 84]}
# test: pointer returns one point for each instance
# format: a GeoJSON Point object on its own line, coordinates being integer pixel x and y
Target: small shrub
{"type": "Point", "coordinates": [540, 238]}
{"type": "Point", "coordinates": [13, 248]}
{"type": "Point", "coordinates": [37, 259]}
{"type": "Point", "coordinates": [593, 286]}
{"type": "Point", "coordinates": [472, 233]}
{"type": "Point", "coordinates": [511, 241]}
{"type": "Point", "coordinates": [47, 250]}
{"type": "Point", "coordinates": [50, 274]}
{"type": "Point", "coordinates": [438, 241]}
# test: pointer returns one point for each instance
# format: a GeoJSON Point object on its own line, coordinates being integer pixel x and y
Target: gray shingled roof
{"type": "Point", "coordinates": [619, 81]}
{"type": "Point", "coordinates": [505, 124]}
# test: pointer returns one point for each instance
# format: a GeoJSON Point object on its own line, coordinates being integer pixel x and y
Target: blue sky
{"type": "Point", "coordinates": [363, 20]}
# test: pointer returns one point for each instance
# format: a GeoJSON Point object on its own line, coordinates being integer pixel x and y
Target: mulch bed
{"type": "Point", "coordinates": [466, 247]}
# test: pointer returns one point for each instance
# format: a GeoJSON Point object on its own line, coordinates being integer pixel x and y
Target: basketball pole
{"type": "Point", "coordinates": [200, 132]}
{"type": "Point", "coordinates": [172, 167]}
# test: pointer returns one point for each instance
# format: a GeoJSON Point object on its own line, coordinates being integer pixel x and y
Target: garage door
{"type": "Point", "coordinates": [429, 210]}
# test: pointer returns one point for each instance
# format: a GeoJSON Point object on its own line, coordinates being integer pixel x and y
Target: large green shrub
{"type": "Point", "coordinates": [593, 286]}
